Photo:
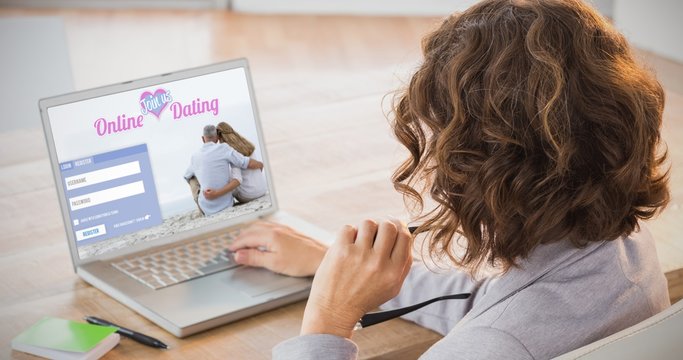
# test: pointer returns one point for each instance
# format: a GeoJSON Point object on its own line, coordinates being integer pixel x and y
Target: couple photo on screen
{"type": "Point", "coordinates": [222, 173]}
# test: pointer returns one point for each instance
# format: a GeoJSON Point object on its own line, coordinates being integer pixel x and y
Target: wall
{"type": "Point", "coordinates": [654, 25]}
{"type": "Point", "coordinates": [353, 7]}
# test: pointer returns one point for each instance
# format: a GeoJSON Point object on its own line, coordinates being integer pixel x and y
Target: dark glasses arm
{"type": "Point", "coordinates": [382, 316]}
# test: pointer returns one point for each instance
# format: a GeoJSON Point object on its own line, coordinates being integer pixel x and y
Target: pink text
{"type": "Point", "coordinates": [196, 107]}
{"type": "Point", "coordinates": [122, 123]}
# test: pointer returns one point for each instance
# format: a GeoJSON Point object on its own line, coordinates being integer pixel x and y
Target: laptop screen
{"type": "Point", "coordinates": [141, 165]}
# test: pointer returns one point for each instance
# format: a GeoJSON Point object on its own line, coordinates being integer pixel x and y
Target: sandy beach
{"type": "Point", "coordinates": [173, 225]}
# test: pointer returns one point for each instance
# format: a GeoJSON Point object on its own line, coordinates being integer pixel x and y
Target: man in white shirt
{"type": "Point", "coordinates": [212, 166]}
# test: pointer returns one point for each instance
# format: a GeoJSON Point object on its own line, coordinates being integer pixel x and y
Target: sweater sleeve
{"type": "Point", "coordinates": [423, 284]}
{"type": "Point", "coordinates": [316, 346]}
{"type": "Point", "coordinates": [420, 285]}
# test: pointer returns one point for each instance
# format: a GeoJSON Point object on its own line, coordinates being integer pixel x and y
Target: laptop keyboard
{"type": "Point", "coordinates": [181, 263]}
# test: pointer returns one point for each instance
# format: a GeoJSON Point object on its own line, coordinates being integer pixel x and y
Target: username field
{"type": "Point", "coordinates": [102, 175]}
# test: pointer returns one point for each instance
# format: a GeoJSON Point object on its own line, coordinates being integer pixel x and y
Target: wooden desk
{"type": "Point", "coordinates": [320, 82]}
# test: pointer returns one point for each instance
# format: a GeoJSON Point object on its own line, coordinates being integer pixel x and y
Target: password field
{"type": "Point", "coordinates": [107, 195]}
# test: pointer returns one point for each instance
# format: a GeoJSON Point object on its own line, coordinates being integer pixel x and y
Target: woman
{"type": "Point", "coordinates": [252, 184]}
{"type": "Point", "coordinates": [536, 133]}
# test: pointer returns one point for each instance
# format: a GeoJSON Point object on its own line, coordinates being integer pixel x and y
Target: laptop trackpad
{"type": "Point", "coordinates": [256, 281]}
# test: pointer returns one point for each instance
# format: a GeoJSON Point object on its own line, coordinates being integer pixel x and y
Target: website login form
{"type": "Point", "coordinates": [110, 194]}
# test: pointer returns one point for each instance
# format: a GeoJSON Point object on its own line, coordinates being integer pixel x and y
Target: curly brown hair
{"type": "Point", "coordinates": [529, 122]}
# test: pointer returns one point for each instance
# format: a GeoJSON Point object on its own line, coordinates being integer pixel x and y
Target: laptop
{"type": "Point", "coordinates": [120, 156]}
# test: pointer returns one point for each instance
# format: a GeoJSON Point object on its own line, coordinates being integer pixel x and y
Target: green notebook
{"type": "Point", "coordinates": [59, 335]}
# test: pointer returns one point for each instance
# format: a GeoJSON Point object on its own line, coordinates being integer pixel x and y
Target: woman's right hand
{"type": "Point", "coordinates": [278, 248]}
{"type": "Point", "coordinates": [363, 269]}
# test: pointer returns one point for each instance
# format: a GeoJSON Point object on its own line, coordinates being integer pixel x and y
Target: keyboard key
{"type": "Point", "coordinates": [217, 266]}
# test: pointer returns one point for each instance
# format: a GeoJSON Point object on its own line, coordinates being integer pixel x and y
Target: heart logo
{"type": "Point", "coordinates": [155, 102]}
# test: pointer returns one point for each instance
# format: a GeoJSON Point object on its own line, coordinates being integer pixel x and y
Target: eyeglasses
{"type": "Point", "coordinates": [382, 316]}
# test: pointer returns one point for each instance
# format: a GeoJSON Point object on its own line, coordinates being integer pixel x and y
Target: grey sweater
{"type": "Point", "coordinates": [559, 299]}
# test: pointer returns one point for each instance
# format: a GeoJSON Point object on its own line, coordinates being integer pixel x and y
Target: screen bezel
{"type": "Point", "coordinates": [45, 104]}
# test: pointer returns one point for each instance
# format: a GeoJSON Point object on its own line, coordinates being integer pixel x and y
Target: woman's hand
{"type": "Point", "coordinates": [363, 269]}
{"type": "Point", "coordinates": [211, 194]}
{"type": "Point", "coordinates": [278, 248]}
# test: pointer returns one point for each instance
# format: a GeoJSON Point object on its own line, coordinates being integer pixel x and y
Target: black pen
{"type": "Point", "coordinates": [141, 338]}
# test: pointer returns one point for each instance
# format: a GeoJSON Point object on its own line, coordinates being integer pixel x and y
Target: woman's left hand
{"type": "Point", "coordinates": [363, 269]}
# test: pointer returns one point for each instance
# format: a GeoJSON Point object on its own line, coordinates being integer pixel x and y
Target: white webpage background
{"type": "Point", "coordinates": [170, 142]}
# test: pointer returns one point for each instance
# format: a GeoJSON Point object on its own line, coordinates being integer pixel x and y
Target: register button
{"type": "Point", "coordinates": [90, 232]}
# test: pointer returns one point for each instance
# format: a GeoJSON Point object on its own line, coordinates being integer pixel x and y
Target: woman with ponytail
{"type": "Point", "coordinates": [252, 183]}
